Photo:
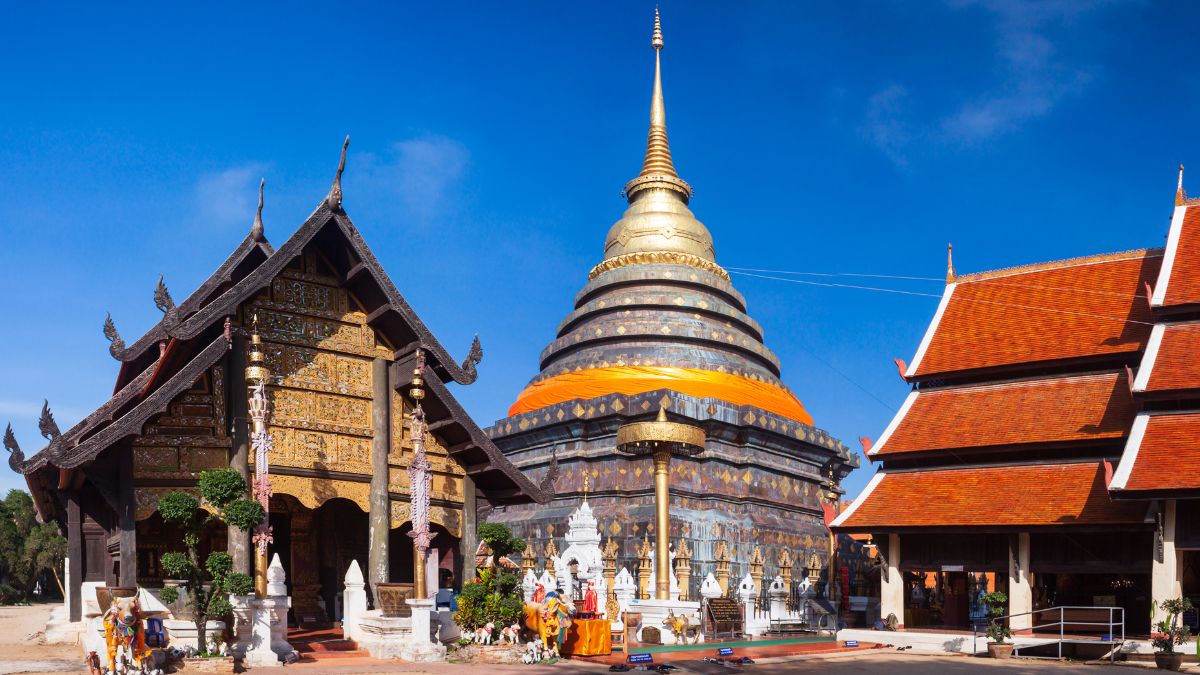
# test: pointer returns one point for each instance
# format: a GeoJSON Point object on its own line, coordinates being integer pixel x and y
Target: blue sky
{"type": "Point", "coordinates": [490, 142]}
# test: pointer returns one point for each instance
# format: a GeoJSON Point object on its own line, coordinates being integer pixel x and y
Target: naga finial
{"type": "Point", "coordinates": [46, 423]}
{"type": "Point", "coordinates": [256, 230]}
{"type": "Point", "coordinates": [14, 449]}
{"type": "Point", "coordinates": [110, 332]}
{"type": "Point", "coordinates": [547, 482]}
{"type": "Point", "coordinates": [334, 200]}
{"type": "Point", "coordinates": [162, 297]}
{"type": "Point", "coordinates": [474, 356]}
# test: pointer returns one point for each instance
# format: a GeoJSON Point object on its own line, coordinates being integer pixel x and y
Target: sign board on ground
{"type": "Point", "coordinates": [641, 658]}
{"type": "Point", "coordinates": [724, 609]}
{"type": "Point", "coordinates": [851, 643]}
{"type": "Point", "coordinates": [725, 651]}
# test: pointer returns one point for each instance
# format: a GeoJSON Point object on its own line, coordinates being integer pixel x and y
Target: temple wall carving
{"type": "Point", "coordinates": [313, 492]}
{"type": "Point", "coordinates": [189, 437]}
{"type": "Point", "coordinates": [448, 517]}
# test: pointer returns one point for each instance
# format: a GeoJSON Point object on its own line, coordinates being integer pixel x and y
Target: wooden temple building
{"type": "Point", "coordinates": [1049, 441]}
{"type": "Point", "coordinates": [341, 343]}
{"type": "Point", "coordinates": [659, 324]}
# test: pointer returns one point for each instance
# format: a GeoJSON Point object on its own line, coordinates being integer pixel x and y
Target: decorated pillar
{"type": "Point", "coordinates": [257, 377]}
{"type": "Point", "coordinates": [1165, 571]}
{"type": "Point", "coordinates": [660, 439]}
{"type": "Point", "coordinates": [420, 480]}
{"type": "Point", "coordinates": [683, 568]}
{"type": "Point", "coordinates": [644, 569]}
{"type": "Point", "coordinates": [722, 557]}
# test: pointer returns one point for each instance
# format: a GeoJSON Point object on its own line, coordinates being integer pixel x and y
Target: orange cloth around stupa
{"type": "Point", "coordinates": [596, 382]}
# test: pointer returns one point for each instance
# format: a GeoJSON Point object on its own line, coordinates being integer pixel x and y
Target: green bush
{"type": "Point", "coordinates": [179, 508]}
{"type": "Point", "coordinates": [239, 584]}
{"type": "Point", "coordinates": [222, 486]}
{"type": "Point", "coordinates": [177, 565]}
{"type": "Point", "coordinates": [169, 594]}
{"type": "Point", "coordinates": [495, 596]}
{"type": "Point", "coordinates": [244, 514]}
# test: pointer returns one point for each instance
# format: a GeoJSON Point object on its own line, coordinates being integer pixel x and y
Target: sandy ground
{"type": "Point", "coordinates": [23, 648]}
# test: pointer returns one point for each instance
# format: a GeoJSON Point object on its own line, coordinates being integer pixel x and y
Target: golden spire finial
{"type": "Point", "coordinates": [586, 482]}
{"type": "Point", "coordinates": [1180, 195]}
{"type": "Point", "coordinates": [658, 151]}
{"type": "Point", "coordinates": [658, 171]}
{"type": "Point", "coordinates": [950, 263]}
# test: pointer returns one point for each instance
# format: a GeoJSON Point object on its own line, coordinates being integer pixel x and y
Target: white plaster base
{"type": "Point", "coordinates": [181, 633]}
{"type": "Point", "coordinates": [383, 637]}
{"type": "Point", "coordinates": [655, 611]}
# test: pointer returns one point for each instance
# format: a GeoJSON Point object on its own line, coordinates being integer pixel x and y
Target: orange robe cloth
{"type": "Point", "coordinates": [588, 637]}
{"type": "Point", "coordinates": [595, 382]}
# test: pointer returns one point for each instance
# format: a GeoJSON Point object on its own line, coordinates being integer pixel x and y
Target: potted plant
{"type": "Point", "coordinates": [223, 492]}
{"type": "Point", "coordinates": [997, 629]}
{"type": "Point", "coordinates": [1169, 633]}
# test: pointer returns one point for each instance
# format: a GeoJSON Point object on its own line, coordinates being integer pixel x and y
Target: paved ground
{"type": "Point", "coordinates": [22, 650]}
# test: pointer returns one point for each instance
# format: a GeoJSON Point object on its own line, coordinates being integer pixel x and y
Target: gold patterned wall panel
{"type": "Point", "coordinates": [304, 368]}
{"type": "Point", "coordinates": [308, 449]}
{"type": "Point", "coordinates": [443, 486]}
{"type": "Point", "coordinates": [304, 409]}
{"type": "Point", "coordinates": [449, 518]}
{"type": "Point", "coordinates": [313, 492]}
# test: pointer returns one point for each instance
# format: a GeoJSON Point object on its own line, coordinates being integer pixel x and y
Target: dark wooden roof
{"type": "Point", "coordinates": [147, 384]}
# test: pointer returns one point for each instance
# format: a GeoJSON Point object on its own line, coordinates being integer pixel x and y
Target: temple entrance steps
{"type": "Point", "coordinates": [321, 645]}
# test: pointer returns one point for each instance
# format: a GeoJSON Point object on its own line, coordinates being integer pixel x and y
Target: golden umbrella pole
{"type": "Point", "coordinates": [257, 376]}
{"type": "Point", "coordinates": [660, 439]}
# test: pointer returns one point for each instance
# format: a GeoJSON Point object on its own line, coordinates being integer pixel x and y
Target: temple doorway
{"type": "Point", "coordinates": [315, 547]}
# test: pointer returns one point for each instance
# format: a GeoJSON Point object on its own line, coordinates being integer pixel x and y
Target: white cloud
{"type": "Point", "coordinates": [423, 174]}
{"type": "Point", "coordinates": [230, 197]}
{"type": "Point", "coordinates": [1031, 78]}
{"type": "Point", "coordinates": [885, 125]}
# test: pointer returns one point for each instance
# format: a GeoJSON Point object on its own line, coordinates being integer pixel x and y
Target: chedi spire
{"type": "Point", "coordinates": [658, 169]}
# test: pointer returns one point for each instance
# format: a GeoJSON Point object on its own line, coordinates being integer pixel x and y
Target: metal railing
{"type": "Point", "coordinates": [1109, 637]}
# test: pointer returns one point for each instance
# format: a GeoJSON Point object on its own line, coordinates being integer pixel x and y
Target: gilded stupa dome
{"type": "Point", "coordinates": [658, 312]}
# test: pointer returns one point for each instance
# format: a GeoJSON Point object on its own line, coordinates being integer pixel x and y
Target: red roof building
{"type": "Point", "coordinates": [1050, 438]}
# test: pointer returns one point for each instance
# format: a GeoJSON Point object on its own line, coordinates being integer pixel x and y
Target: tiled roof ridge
{"type": "Point", "coordinates": [1131, 254]}
{"type": "Point", "coordinates": [1029, 380]}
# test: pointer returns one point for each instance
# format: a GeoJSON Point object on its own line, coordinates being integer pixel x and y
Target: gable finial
{"type": "Point", "coordinates": [46, 423]}
{"type": "Point", "coordinates": [110, 332]}
{"type": "Point", "coordinates": [14, 449]}
{"type": "Point", "coordinates": [162, 297]}
{"type": "Point", "coordinates": [334, 200]}
{"type": "Point", "coordinates": [256, 230]}
{"type": "Point", "coordinates": [1180, 195]}
{"type": "Point", "coordinates": [950, 263]}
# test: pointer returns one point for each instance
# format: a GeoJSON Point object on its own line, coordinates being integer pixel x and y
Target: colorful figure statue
{"type": "Point", "coordinates": [124, 635]}
{"type": "Point", "coordinates": [556, 616]}
{"type": "Point", "coordinates": [539, 594]}
{"type": "Point", "coordinates": [590, 600]}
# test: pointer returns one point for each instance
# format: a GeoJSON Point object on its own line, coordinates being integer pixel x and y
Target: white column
{"type": "Point", "coordinates": [1165, 582]}
{"type": "Point", "coordinates": [1020, 592]}
{"type": "Point", "coordinates": [891, 589]}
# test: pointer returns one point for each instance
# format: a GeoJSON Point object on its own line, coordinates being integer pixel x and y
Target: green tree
{"type": "Point", "coordinates": [494, 596]}
{"type": "Point", "coordinates": [223, 492]}
{"type": "Point", "coordinates": [17, 520]}
{"type": "Point", "coordinates": [46, 549]}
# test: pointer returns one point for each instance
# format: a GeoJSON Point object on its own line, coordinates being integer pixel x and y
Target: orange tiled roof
{"type": "Point", "coordinates": [1004, 496]}
{"type": "Point", "coordinates": [1061, 310]}
{"type": "Point", "coordinates": [1184, 284]}
{"type": "Point", "coordinates": [1050, 410]}
{"type": "Point", "coordinates": [1166, 458]}
{"type": "Point", "coordinates": [1176, 365]}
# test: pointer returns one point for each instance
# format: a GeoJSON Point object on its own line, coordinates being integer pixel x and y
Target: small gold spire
{"type": "Point", "coordinates": [1180, 195]}
{"type": "Point", "coordinates": [950, 263]}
